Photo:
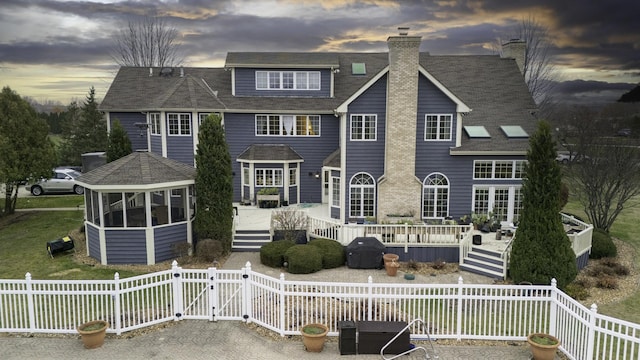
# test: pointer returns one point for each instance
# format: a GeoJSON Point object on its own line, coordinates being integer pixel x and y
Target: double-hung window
{"type": "Point", "coordinates": [154, 119]}
{"type": "Point", "coordinates": [287, 80]}
{"type": "Point", "coordinates": [437, 127]}
{"type": "Point", "coordinates": [179, 124]}
{"type": "Point", "coordinates": [288, 125]}
{"type": "Point", "coordinates": [363, 127]}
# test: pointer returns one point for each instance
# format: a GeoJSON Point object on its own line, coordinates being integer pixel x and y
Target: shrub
{"type": "Point", "coordinates": [413, 265]}
{"type": "Point", "coordinates": [439, 264]}
{"type": "Point", "coordinates": [577, 291]}
{"type": "Point", "coordinates": [584, 281]}
{"type": "Point", "coordinates": [615, 266]}
{"type": "Point", "coordinates": [600, 270]}
{"type": "Point", "coordinates": [607, 282]}
{"type": "Point", "coordinates": [332, 252]}
{"type": "Point", "coordinates": [209, 250]}
{"type": "Point", "coordinates": [303, 259]}
{"type": "Point", "coordinates": [602, 245]}
{"type": "Point", "coordinates": [272, 254]}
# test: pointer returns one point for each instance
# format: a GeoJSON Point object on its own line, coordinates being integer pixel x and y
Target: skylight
{"type": "Point", "coordinates": [476, 132]}
{"type": "Point", "coordinates": [358, 69]}
{"type": "Point", "coordinates": [514, 131]}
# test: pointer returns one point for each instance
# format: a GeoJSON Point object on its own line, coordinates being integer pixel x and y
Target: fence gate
{"type": "Point", "coordinates": [226, 293]}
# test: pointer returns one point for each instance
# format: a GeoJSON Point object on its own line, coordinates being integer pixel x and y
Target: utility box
{"type": "Point", "coordinates": [374, 335]}
{"type": "Point", "coordinates": [347, 337]}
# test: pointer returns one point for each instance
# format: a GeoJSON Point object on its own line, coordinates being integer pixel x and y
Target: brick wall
{"type": "Point", "coordinates": [399, 192]}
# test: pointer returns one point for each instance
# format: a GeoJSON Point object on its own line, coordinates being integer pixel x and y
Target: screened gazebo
{"type": "Point", "coordinates": [138, 209]}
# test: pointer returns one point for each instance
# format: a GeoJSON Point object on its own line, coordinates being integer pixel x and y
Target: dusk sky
{"type": "Point", "coordinates": [57, 50]}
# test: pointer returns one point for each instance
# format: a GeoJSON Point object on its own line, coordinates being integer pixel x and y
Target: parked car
{"type": "Point", "coordinates": [564, 157]}
{"type": "Point", "coordinates": [63, 181]}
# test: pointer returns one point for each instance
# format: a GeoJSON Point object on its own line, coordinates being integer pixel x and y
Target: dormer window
{"type": "Point", "coordinates": [287, 80]}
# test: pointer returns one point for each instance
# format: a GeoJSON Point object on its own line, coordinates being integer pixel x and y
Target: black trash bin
{"type": "Point", "coordinates": [477, 239]}
{"type": "Point", "coordinates": [347, 337]}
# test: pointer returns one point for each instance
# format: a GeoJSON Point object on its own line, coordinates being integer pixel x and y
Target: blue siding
{"type": "Point", "coordinates": [246, 84]}
{"type": "Point", "coordinates": [126, 246]}
{"type": "Point", "coordinates": [180, 148]}
{"type": "Point", "coordinates": [367, 156]}
{"type": "Point", "coordinates": [582, 261]}
{"type": "Point", "coordinates": [240, 134]}
{"type": "Point", "coordinates": [165, 237]}
{"type": "Point", "coordinates": [128, 120]}
{"type": "Point", "coordinates": [93, 241]}
{"type": "Point", "coordinates": [156, 144]}
{"type": "Point", "coordinates": [427, 254]}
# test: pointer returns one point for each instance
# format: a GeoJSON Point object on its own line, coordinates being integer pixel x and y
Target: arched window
{"type": "Point", "coordinates": [435, 196]}
{"type": "Point", "coordinates": [362, 195]}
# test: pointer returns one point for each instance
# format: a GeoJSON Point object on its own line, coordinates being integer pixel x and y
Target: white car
{"type": "Point", "coordinates": [564, 158]}
{"type": "Point", "coordinates": [63, 181]}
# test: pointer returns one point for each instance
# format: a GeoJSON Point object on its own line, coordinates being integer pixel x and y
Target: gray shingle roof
{"type": "Point", "coordinates": [491, 86]}
{"type": "Point", "coordinates": [139, 168]}
{"type": "Point", "coordinates": [280, 152]}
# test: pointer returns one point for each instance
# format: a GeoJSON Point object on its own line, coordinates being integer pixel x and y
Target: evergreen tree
{"type": "Point", "coordinates": [214, 187]}
{"type": "Point", "coordinates": [25, 149]}
{"type": "Point", "coordinates": [85, 130]}
{"type": "Point", "coordinates": [541, 249]}
{"type": "Point", "coordinates": [119, 144]}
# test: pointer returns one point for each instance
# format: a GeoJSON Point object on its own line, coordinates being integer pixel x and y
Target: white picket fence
{"type": "Point", "coordinates": [452, 311]}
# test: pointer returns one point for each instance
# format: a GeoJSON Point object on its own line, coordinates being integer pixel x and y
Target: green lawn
{"type": "Point", "coordinates": [66, 201]}
{"type": "Point", "coordinates": [23, 239]}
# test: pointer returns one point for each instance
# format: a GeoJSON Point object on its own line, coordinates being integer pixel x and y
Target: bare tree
{"type": "Point", "coordinates": [149, 42]}
{"type": "Point", "coordinates": [538, 69]}
{"type": "Point", "coordinates": [605, 172]}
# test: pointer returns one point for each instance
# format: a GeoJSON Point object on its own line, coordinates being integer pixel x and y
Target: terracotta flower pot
{"type": "Point", "coordinates": [314, 336]}
{"type": "Point", "coordinates": [545, 349]}
{"type": "Point", "coordinates": [389, 258]}
{"type": "Point", "coordinates": [392, 268]}
{"type": "Point", "coordinates": [93, 333]}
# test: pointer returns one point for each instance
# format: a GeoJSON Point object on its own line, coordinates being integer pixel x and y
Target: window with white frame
{"type": "Point", "coordinates": [504, 201]}
{"type": "Point", "coordinates": [335, 191]}
{"type": "Point", "coordinates": [363, 126]}
{"type": "Point", "coordinates": [362, 195]}
{"type": "Point", "coordinates": [154, 119]}
{"type": "Point", "coordinates": [293, 176]}
{"type": "Point", "coordinates": [201, 117]}
{"type": "Point", "coordinates": [437, 127]}
{"type": "Point", "coordinates": [269, 177]}
{"type": "Point", "coordinates": [287, 80]}
{"type": "Point", "coordinates": [435, 196]}
{"type": "Point", "coordinates": [245, 176]}
{"type": "Point", "coordinates": [288, 125]}
{"type": "Point", "coordinates": [498, 169]}
{"type": "Point", "coordinates": [179, 124]}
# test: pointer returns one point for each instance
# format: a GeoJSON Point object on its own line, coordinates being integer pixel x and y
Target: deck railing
{"type": "Point", "coordinates": [452, 311]}
{"type": "Point", "coordinates": [390, 234]}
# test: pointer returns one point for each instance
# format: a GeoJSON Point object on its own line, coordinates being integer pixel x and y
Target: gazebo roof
{"type": "Point", "coordinates": [138, 169]}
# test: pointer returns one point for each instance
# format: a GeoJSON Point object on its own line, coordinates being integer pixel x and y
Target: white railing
{"type": "Point", "coordinates": [390, 234]}
{"type": "Point", "coordinates": [581, 240]}
{"type": "Point", "coordinates": [451, 311]}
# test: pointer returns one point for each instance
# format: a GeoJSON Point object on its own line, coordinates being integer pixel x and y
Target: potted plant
{"type": "Point", "coordinates": [93, 333]}
{"type": "Point", "coordinates": [391, 267]}
{"type": "Point", "coordinates": [464, 220]}
{"type": "Point", "coordinates": [543, 346]}
{"type": "Point", "coordinates": [478, 220]}
{"type": "Point", "coordinates": [314, 336]}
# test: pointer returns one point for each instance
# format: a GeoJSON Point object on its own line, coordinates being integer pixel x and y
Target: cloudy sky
{"type": "Point", "coordinates": [56, 50]}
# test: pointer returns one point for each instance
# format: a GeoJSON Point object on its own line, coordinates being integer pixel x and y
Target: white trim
{"type": "Point", "coordinates": [163, 130]}
{"type": "Point", "coordinates": [150, 242]}
{"type": "Point", "coordinates": [461, 107]}
{"type": "Point", "coordinates": [343, 166]}
{"type": "Point", "coordinates": [453, 151]}
{"type": "Point", "coordinates": [344, 107]}
{"type": "Point", "coordinates": [373, 186]}
{"type": "Point", "coordinates": [102, 238]}
{"type": "Point", "coordinates": [364, 116]}
{"type": "Point", "coordinates": [233, 81]}
{"type": "Point", "coordinates": [458, 129]}
{"type": "Point", "coordinates": [137, 188]}
{"type": "Point", "coordinates": [511, 188]}
{"type": "Point", "coordinates": [514, 163]}
{"type": "Point", "coordinates": [438, 127]}
{"type": "Point", "coordinates": [435, 203]}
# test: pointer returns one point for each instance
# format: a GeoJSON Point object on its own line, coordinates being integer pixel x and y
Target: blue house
{"type": "Point", "coordinates": [372, 135]}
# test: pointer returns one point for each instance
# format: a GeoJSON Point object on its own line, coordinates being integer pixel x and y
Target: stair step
{"type": "Point", "coordinates": [250, 240]}
{"type": "Point", "coordinates": [486, 251]}
{"type": "Point", "coordinates": [483, 264]}
{"type": "Point", "coordinates": [481, 271]}
{"type": "Point", "coordinates": [485, 258]}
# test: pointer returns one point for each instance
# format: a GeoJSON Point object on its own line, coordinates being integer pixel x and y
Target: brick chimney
{"type": "Point", "coordinates": [515, 49]}
{"type": "Point", "coordinates": [399, 190]}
